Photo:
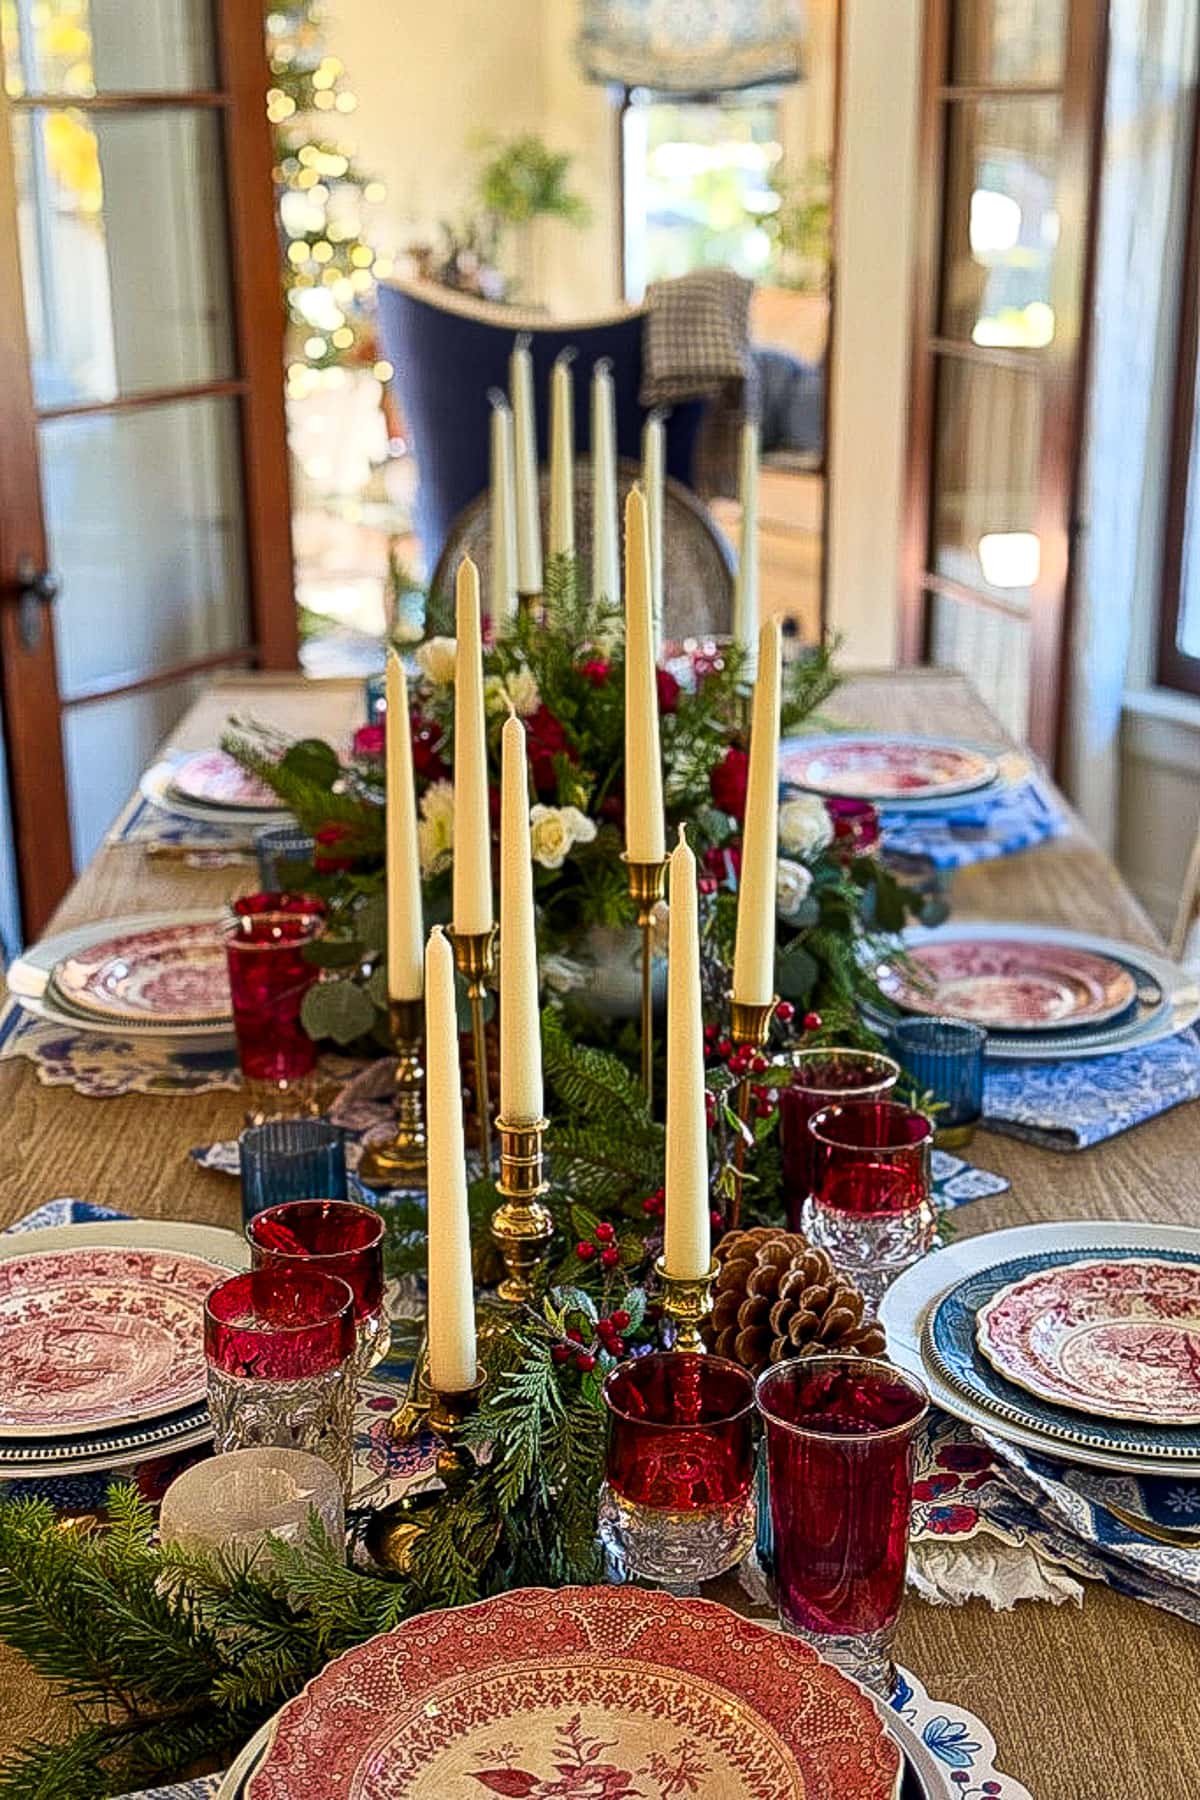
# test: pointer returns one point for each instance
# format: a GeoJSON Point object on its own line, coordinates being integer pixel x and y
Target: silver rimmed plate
{"type": "Point", "coordinates": [884, 767]}
{"type": "Point", "coordinates": [158, 786]}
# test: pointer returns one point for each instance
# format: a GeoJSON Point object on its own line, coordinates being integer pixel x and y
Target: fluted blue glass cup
{"type": "Point", "coordinates": [943, 1058]}
{"type": "Point", "coordinates": [375, 692]}
{"type": "Point", "coordinates": [291, 1159]}
{"type": "Point", "coordinates": [282, 851]}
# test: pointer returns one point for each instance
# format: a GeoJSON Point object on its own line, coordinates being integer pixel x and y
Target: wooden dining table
{"type": "Point", "coordinates": [1097, 1702]}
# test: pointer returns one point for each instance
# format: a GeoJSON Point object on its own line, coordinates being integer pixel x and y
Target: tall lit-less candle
{"type": "Point", "coordinates": [406, 930]}
{"type": "Point", "coordinates": [520, 1021]}
{"type": "Point", "coordinates": [529, 518]}
{"type": "Point", "coordinates": [653, 472]}
{"type": "Point", "coordinates": [562, 456]}
{"type": "Point", "coordinates": [502, 599]}
{"type": "Point", "coordinates": [745, 593]}
{"type": "Point", "coordinates": [687, 1242]}
{"type": "Point", "coordinates": [472, 882]}
{"type": "Point", "coordinates": [451, 1297]}
{"type": "Point", "coordinates": [606, 567]}
{"type": "Point", "coordinates": [645, 839]}
{"type": "Point", "coordinates": [754, 952]}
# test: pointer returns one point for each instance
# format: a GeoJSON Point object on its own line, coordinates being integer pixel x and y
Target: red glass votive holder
{"type": "Point", "coordinates": [281, 1352]}
{"type": "Point", "coordinates": [840, 1435]}
{"type": "Point", "coordinates": [820, 1078]}
{"type": "Point", "coordinates": [269, 976]}
{"type": "Point", "coordinates": [871, 1206]}
{"type": "Point", "coordinates": [336, 1237]}
{"type": "Point", "coordinates": [678, 1499]}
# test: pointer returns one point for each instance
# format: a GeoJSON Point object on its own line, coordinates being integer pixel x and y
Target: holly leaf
{"type": "Point", "coordinates": [337, 1009]}
{"type": "Point", "coordinates": [634, 1304]}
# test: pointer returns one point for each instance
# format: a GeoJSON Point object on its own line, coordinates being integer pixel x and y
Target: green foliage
{"type": "Point", "coordinates": [523, 179]}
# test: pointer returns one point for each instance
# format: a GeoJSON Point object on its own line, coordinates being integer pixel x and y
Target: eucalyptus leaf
{"type": "Point", "coordinates": [311, 759]}
{"type": "Point", "coordinates": [371, 923]}
{"type": "Point", "coordinates": [376, 987]}
{"type": "Point", "coordinates": [337, 1009]}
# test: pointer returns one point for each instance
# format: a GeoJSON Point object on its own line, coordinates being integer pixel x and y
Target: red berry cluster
{"type": "Point", "coordinates": [655, 1205]}
{"type": "Point", "coordinates": [602, 1244]}
{"type": "Point", "coordinates": [582, 1356]}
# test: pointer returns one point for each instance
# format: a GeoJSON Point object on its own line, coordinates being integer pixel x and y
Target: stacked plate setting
{"type": "Point", "coordinates": [1074, 1341]}
{"type": "Point", "coordinates": [210, 787]}
{"type": "Point", "coordinates": [902, 774]}
{"type": "Point", "coordinates": [102, 1343]}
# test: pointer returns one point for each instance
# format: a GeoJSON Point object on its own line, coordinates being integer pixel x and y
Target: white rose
{"type": "Point", "coordinates": [520, 691]}
{"type": "Point", "coordinates": [435, 659]}
{"type": "Point", "coordinates": [792, 882]}
{"type": "Point", "coordinates": [560, 974]}
{"type": "Point", "coordinates": [582, 829]}
{"type": "Point", "coordinates": [805, 827]}
{"type": "Point", "coordinates": [435, 828]}
{"type": "Point", "coordinates": [555, 830]}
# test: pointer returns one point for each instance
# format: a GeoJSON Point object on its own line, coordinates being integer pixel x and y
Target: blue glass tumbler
{"type": "Point", "coordinates": [943, 1058]}
{"type": "Point", "coordinates": [291, 1159]}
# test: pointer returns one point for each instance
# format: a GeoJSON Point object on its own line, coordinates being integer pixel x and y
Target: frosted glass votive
{"type": "Point", "coordinates": [232, 1502]}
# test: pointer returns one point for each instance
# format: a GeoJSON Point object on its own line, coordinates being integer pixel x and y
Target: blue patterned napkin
{"type": "Point", "coordinates": [198, 841]}
{"type": "Point", "coordinates": [1072, 1105]}
{"type": "Point", "coordinates": [101, 1066]}
{"type": "Point", "coordinates": [974, 832]}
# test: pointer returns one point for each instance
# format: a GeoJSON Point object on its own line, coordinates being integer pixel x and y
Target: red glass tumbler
{"type": "Point", "coordinates": [839, 1458]}
{"type": "Point", "coordinates": [871, 1206]}
{"type": "Point", "coordinates": [678, 1501]}
{"type": "Point", "coordinates": [336, 1237]}
{"type": "Point", "coordinates": [820, 1078]}
{"type": "Point", "coordinates": [269, 976]}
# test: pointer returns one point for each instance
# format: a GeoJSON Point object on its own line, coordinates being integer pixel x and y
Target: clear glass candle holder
{"type": "Point", "coordinates": [678, 1499]}
{"type": "Point", "coordinates": [291, 1159]}
{"type": "Point", "coordinates": [282, 1370]}
{"type": "Point", "coordinates": [871, 1204]}
{"type": "Point", "coordinates": [944, 1059]}
{"type": "Point", "coordinates": [338, 1237]}
{"type": "Point", "coordinates": [820, 1078]}
{"type": "Point", "coordinates": [839, 1434]}
{"type": "Point", "coordinates": [269, 976]}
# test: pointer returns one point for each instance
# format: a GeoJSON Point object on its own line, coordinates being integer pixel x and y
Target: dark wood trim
{"type": "Point", "coordinates": [966, 595]}
{"type": "Point", "coordinates": [118, 102]}
{"type": "Point", "coordinates": [997, 90]}
{"type": "Point", "coordinates": [240, 657]}
{"type": "Point", "coordinates": [835, 202]}
{"type": "Point", "coordinates": [621, 104]}
{"type": "Point", "coordinates": [259, 318]}
{"type": "Point", "coordinates": [168, 396]}
{"type": "Point", "coordinates": [1174, 669]}
{"type": "Point", "coordinates": [996, 356]}
{"type": "Point", "coordinates": [37, 783]}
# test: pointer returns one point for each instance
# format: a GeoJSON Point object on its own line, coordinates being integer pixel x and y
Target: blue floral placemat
{"type": "Point", "coordinates": [966, 833]}
{"type": "Point", "coordinates": [198, 841]}
{"type": "Point", "coordinates": [1072, 1105]}
{"type": "Point", "coordinates": [102, 1066]}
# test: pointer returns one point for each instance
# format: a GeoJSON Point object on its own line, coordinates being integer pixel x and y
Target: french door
{"type": "Point", "coordinates": [1011, 115]}
{"type": "Point", "coordinates": [144, 519]}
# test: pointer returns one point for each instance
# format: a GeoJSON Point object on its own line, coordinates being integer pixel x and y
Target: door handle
{"type": "Point", "coordinates": [35, 588]}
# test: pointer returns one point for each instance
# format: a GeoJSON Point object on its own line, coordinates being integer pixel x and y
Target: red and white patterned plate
{"type": "Point", "coordinates": [213, 778]}
{"type": "Point", "coordinates": [167, 974]}
{"type": "Point", "coordinates": [885, 769]}
{"type": "Point", "coordinates": [599, 1693]}
{"type": "Point", "coordinates": [92, 1338]}
{"type": "Point", "coordinates": [1118, 1339]}
{"type": "Point", "coordinates": [1009, 984]}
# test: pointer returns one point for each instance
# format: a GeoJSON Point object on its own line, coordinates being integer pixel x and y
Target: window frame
{"type": "Point", "coordinates": [1175, 669]}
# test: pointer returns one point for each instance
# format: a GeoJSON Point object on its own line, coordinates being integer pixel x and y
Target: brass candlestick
{"type": "Point", "coordinates": [646, 883]}
{"type": "Point", "coordinates": [401, 1162]}
{"type": "Point", "coordinates": [687, 1302]}
{"type": "Point", "coordinates": [749, 1026]}
{"type": "Point", "coordinates": [475, 957]}
{"type": "Point", "coordinates": [523, 1226]}
{"type": "Point", "coordinates": [394, 1530]}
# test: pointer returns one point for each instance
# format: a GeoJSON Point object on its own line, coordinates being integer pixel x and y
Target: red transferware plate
{"type": "Point", "coordinates": [588, 1693]}
{"type": "Point", "coordinates": [215, 779]}
{"type": "Point", "coordinates": [167, 974]}
{"type": "Point", "coordinates": [1121, 1339]}
{"type": "Point", "coordinates": [1009, 984]}
{"type": "Point", "coordinates": [887, 768]}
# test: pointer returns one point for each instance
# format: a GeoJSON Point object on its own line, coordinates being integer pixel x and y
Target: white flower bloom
{"type": "Point", "coordinates": [555, 830]}
{"type": "Point", "coordinates": [561, 974]}
{"type": "Point", "coordinates": [582, 829]}
{"type": "Point", "coordinates": [435, 828]}
{"type": "Point", "coordinates": [805, 827]}
{"type": "Point", "coordinates": [792, 882]}
{"type": "Point", "coordinates": [520, 691]}
{"type": "Point", "coordinates": [435, 659]}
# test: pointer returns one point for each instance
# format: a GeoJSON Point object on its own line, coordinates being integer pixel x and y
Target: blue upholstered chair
{"type": "Point", "coordinates": [448, 349]}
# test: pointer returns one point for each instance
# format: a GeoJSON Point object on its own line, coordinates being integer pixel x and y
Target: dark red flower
{"type": "Point", "coordinates": [326, 837]}
{"type": "Point", "coordinates": [369, 740]}
{"type": "Point", "coordinates": [668, 691]}
{"type": "Point", "coordinates": [728, 782]}
{"type": "Point", "coordinates": [855, 825]}
{"type": "Point", "coordinates": [724, 865]}
{"type": "Point", "coordinates": [597, 671]}
{"type": "Point", "coordinates": [612, 808]}
{"type": "Point", "coordinates": [545, 738]}
{"type": "Point", "coordinates": [426, 741]}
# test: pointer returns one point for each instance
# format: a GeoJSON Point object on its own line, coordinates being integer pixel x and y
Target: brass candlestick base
{"type": "Point", "coordinates": [394, 1530]}
{"type": "Point", "coordinates": [475, 958]}
{"type": "Point", "coordinates": [646, 883]}
{"type": "Point", "coordinates": [687, 1302]}
{"type": "Point", "coordinates": [522, 1227]}
{"type": "Point", "coordinates": [750, 1025]}
{"type": "Point", "coordinates": [401, 1163]}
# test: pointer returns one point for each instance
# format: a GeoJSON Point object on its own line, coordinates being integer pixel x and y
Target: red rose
{"type": "Point", "coordinates": [597, 671]}
{"type": "Point", "coordinates": [855, 826]}
{"type": "Point", "coordinates": [728, 782]}
{"type": "Point", "coordinates": [612, 808]}
{"type": "Point", "coordinates": [545, 738]}
{"type": "Point", "coordinates": [326, 838]}
{"type": "Point", "coordinates": [724, 865]}
{"type": "Point", "coordinates": [668, 691]}
{"type": "Point", "coordinates": [426, 740]}
{"type": "Point", "coordinates": [369, 740]}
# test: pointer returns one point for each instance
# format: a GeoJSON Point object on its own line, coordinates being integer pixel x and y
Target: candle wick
{"type": "Point", "coordinates": [566, 356]}
{"type": "Point", "coordinates": [499, 399]}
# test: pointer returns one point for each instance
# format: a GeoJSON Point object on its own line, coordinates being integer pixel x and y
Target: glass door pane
{"type": "Point", "coordinates": [1008, 40]}
{"type": "Point", "coordinates": [84, 47]}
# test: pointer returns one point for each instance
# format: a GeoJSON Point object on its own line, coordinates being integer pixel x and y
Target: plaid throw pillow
{"type": "Point", "coordinates": [696, 337]}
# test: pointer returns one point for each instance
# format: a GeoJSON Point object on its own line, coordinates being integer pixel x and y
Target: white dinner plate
{"type": "Point", "coordinates": [910, 1301]}
{"type": "Point", "coordinates": [156, 786]}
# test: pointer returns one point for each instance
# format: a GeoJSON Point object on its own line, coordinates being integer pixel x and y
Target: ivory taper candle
{"type": "Point", "coordinates": [529, 518]}
{"type": "Point", "coordinates": [472, 883]}
{"type": "Point", "coordinates": [606, 566]}
{"type": "Point", "coordinates": [745, 593]}
{"type": "Point", "coordinates": [451, 1290]}
{"type": "Point", "coordinates": [562, 456]}
{"type": "Point", "coordinates": [687, 1237]}
{"type": "Point", "coordinates": [754, 950]}
{"type": "Point", "coordinates": [502, 599]}
{"type": "Point", "coordinates": [405, 924]}
{"type": "Point", "coordinates": [645, 838]}
{"type": "Point", "coordinates": [520, 1021]}
{"type": "Point", "coordinates": [653, 468]}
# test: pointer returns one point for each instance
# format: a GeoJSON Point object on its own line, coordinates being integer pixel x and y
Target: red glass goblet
{"type": "Point", "coordinates": [870, 1206]}
{"type": "Point", "coordinates": [269, 976]}
{"type": "Point", "coordinates": [678, 1503]}
{"type": "Point", "coordinates": [839, 1457]}
{"type": "Point", "coordinates": [819, 1079]}
{"type": "Point", "coordinates": [336, 1237]}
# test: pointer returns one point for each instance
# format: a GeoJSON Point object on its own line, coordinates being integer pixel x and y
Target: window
{"type": "Point", "coordinates": [1179, 639]}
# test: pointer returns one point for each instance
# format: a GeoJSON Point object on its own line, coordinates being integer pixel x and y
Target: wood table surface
{"type": "Point", "coordinates": [1091, 1703]}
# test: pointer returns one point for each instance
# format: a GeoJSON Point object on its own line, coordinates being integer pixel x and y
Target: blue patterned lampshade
{"type": "Point", "coordinates": [692, 46]}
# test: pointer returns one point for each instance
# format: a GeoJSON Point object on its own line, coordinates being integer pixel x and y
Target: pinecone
{"type": "Point", "coordinates": [777, 1296]}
